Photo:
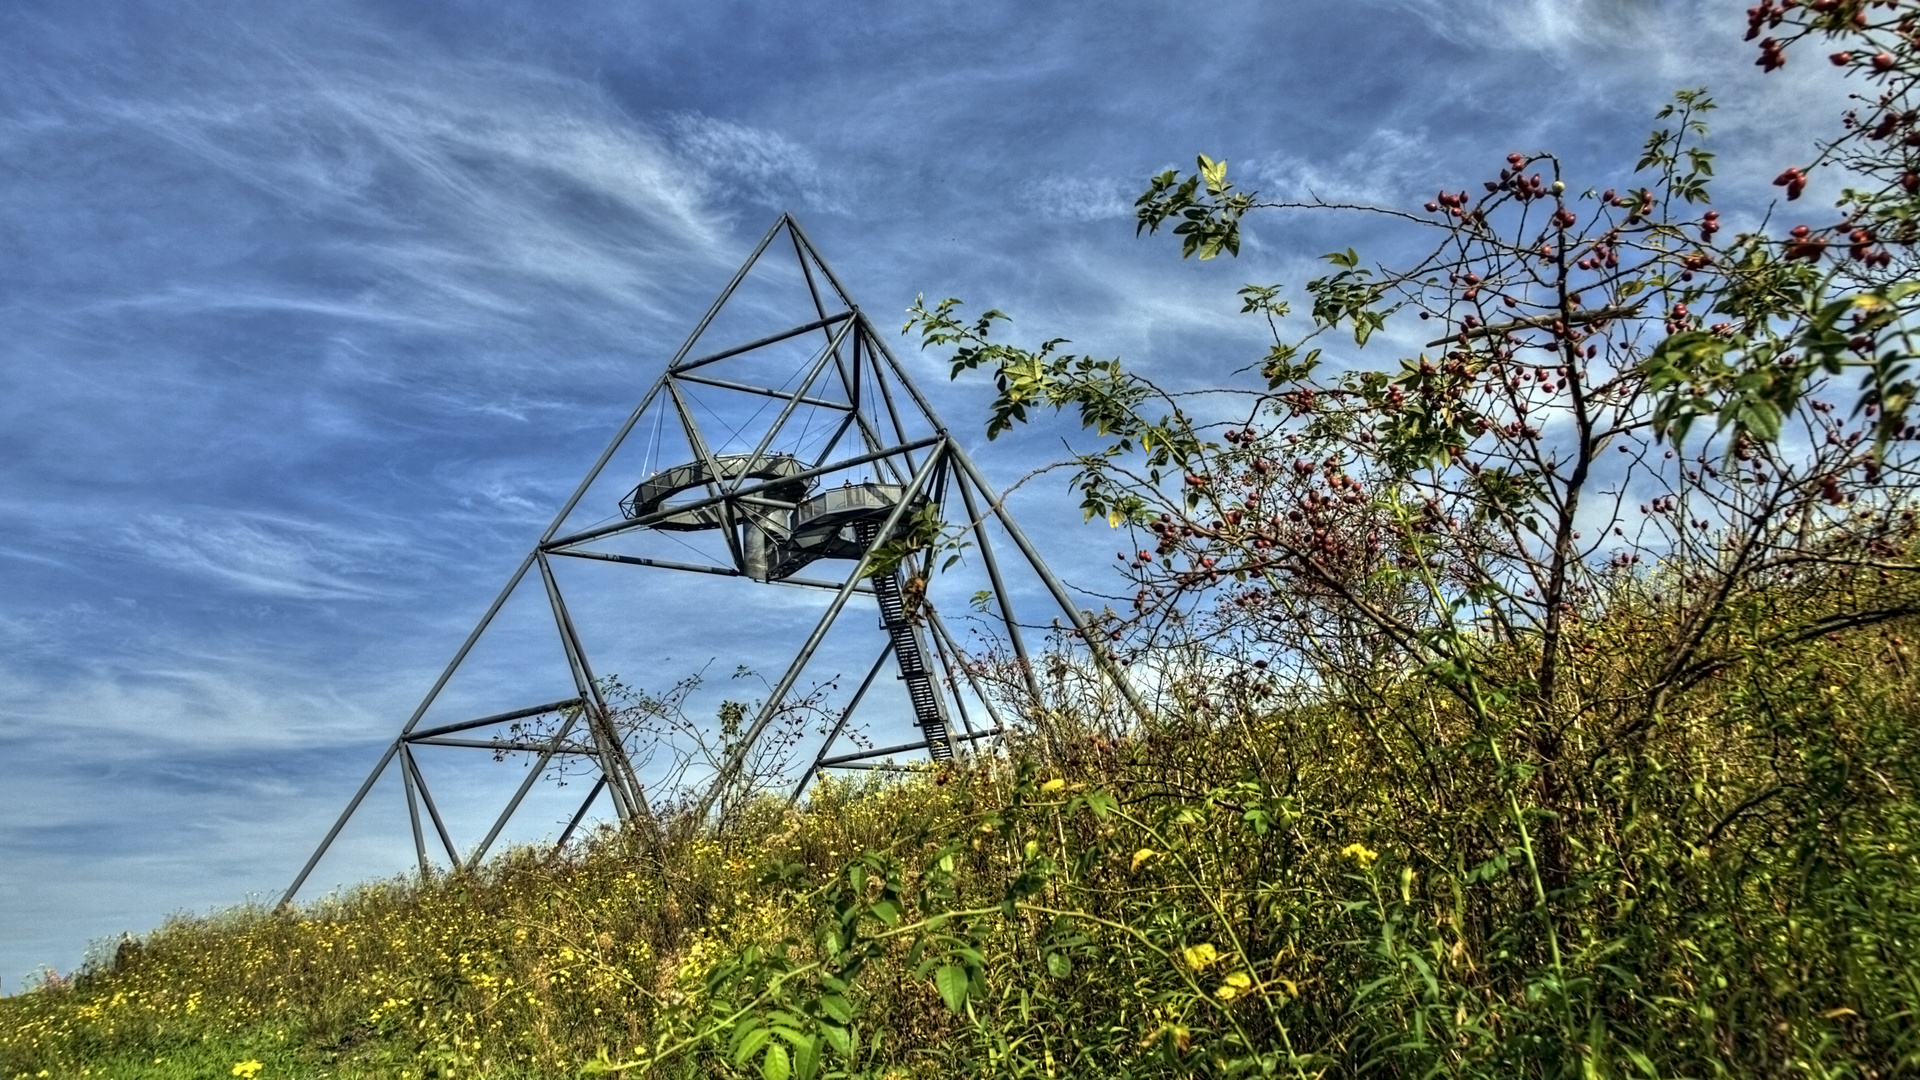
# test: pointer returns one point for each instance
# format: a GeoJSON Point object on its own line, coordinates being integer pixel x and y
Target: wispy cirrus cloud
{"type": "Point", "coordinates": [1380, 167]}
{"type": "Point", "coordinates": [179, 699]}
{"type": "Point", "coordinates": [453, 188]}
{"type": "Point", "coordinates": [1546, 25]}
{"type": "Point", "coordinates": [265, 554]}
{"type": "Point", "coordinates": [1084, 198]}
{"type": "Point", "coordinates": [756, 165]}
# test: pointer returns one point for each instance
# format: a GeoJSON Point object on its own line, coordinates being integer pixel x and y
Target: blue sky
{"type": "Point", "coordinates": [314, 315]}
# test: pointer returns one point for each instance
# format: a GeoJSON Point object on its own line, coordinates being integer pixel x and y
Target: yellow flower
{"type": "Point", "coordinates": [1053, 785]}
{"type": "Point", "coordinates": [247, 1070]}
{"type": "Point", "coordinates": [1142, 856]}
{"type": "Point", "coordinates": [1237, 983]}
{"type": "Point", "coordinates": [1201, 957]}
{"type": "Point", "coordinates": [1361, 854]}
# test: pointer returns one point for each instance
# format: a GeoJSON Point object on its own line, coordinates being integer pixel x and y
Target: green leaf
{"type": "Point", "coordinates": [839, 1038]}
{"type": "Point", "coordinates": [750, 1044]}
{"type": "Point", "coordinates": [1762, 419]}
{"type": "Point", "coordinates": [837, 1007]}
{"type": "Point", "coordinates": [1364, 324]}
{"type": "Point", "coordinates": [776, 1066]}
{"type": "Point", "coordinates": [806, 1059]}
{"type": "Point", "coordinates": [952, 982]}
{"type": "Point", "coordinates": [1215, 173]}
{"type": "Point", "coordinates": [1058, 965]}
{"type": "Point", "coordinates": [1102, 803]}
{"type": "Point", "coordinates": [1641, 1062]}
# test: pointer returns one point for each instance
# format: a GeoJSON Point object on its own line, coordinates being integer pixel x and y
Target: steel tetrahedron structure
{"type": "Point", "coordinates": [768, 459]}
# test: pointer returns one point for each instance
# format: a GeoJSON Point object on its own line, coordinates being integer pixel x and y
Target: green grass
{"type": "Point", "coordinates": [213, 1056]}
{"type": "Point", "coordinates": [1329, 887]}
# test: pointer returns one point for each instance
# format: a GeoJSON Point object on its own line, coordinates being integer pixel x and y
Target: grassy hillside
{"type": "Point", "coordinates": [1241, 888]}
{"type": "Point", "coordinates": [1434, 787]}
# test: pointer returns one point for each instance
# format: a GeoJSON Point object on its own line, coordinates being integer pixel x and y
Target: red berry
{"type": "Point", "coordinates": [1841, 59]}
{"type": "Point", "coordinates": [1883, 62]}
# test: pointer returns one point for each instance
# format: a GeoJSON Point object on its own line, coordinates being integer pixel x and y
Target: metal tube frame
{"type": "Point", "coordinates": [413, 817]}
{"type": "Point", "coordinates": [623, 783]}
{"type": "Point", "coordinates": [725, 384]}
{"type": "Point", "coordinates": [496, 718]}
{"type": "Point", "coordinates": [841, 762]}
{"type": "Point", "coordinates": [668, 564]}
{"type": "Point", "coordinates": [731, 767]}
{"type": "Point", "coordinates": [771, 339]}
{"type": "Point", "coordinates": [579, 815]}
{"type": "Point", "coordinates": [857, 352]}
{"type": "Point", "coordinates": [433, 811]}
{"type": "Point", "coordinates": [520, 793]}
{"type": "Point", "coordinates": [1101, 658]}
{"type": "Point", "coordinates": [526, 564]}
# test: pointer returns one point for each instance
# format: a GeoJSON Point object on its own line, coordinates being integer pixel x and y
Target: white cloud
{"type": "Point", "coordinates": [181, 699]}
{"type": "Point", "coordinates": [264, 555]}
{"type": "Point", "coordinates": [1377, 169]}
{"type": "Point", "coordinates": [1581, 59]}
{"type": "Point", "coordinates": [761, 166]}
{"type": "Point", "coordinates": [1076, 198]}
{"type": "Point", "coordinates": [1546, 25]}
{"type": "Point", "coordinates": [458, 195]}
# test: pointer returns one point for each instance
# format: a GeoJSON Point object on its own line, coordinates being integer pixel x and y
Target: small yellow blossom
{"type": "Point", "coordinates": [1201, 957]}
{"type": "Point", "coordinates": [1360, 854]}
{"type": "Point", "coordinates": [1180, 1034]}
{"type": "Point", "coordinates": [247, 1070]}
{"type": "Point", "coordinates": [1053, 785]}
{"type": "Point", "coordinates": [1143, 855]}
{"type": "Point", "coordinates": [1236, 984]}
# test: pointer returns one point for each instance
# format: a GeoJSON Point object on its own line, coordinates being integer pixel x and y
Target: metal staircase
{"type": "Point", "coordinates": [928, 712]}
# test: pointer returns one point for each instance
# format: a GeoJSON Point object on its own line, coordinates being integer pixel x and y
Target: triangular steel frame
{"type": "Point", "coordinates": [744, 492]}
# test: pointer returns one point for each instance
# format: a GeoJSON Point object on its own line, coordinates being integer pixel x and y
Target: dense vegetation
{"type": "Point", "coordinates": [1540, 704]}
{"type": "Point", "coordinates": [1295, 890]}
